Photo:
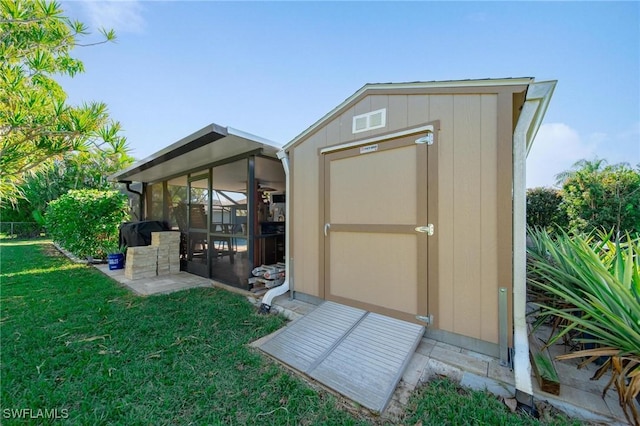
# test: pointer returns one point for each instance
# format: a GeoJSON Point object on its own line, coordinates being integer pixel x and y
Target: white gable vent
{"type": "Point", "coordinates": [369, 121]}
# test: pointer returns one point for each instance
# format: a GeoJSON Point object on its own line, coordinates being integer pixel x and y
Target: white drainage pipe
{"type": "Point", "coordinates": [267, 300]}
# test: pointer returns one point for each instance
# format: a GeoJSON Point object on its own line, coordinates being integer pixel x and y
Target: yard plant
{"type": "Point", "coordinates": [86, 222]}
{"type": "Point", "coordinates": [75, 341]}
{"type": "Point", "coordinates": [596, 195]}
{"type": "Point", "coordinates": [37, 124]}
{"type": "Point", "coordinates": [593, 284]}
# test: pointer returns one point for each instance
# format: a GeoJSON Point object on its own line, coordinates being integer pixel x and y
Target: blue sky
{"type": "Point", "coordinates": [274, 68]}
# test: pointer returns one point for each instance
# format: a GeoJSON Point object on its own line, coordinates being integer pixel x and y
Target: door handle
{"type": "Point", "coordinates": [326, 228]}
{"type": "Point", "coordinates": [429, 229]}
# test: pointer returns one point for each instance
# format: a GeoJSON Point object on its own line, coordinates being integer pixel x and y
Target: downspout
{"type": "Point", "coordinates": [141, 202]}
{"type": "Point", "coordinates": [267, 300]}
{"type": "Point", "coordinates": [533, 110]}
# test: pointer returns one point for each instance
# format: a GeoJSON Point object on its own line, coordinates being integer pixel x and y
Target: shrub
{"type": "Point", "coordinates": [543, 209]}
{"type": "Point", "coordinates": [602, 197]}
{"type": "Point", "coordinates": [594, 285]}
{"type": "Point", "coordinates": [86, 221]}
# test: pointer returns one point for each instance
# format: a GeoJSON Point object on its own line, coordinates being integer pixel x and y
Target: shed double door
{"type": "Point", "coordinates": [376, 227]}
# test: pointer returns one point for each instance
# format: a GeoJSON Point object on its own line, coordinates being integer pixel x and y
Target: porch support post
{"type": "Point", "coordinates": [252, 212]}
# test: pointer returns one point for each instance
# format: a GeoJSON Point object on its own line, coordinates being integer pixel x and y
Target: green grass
{"type": "Point", "coordinates": [443, 402]}
{"type": "Point", "coordinates": [74, 340]}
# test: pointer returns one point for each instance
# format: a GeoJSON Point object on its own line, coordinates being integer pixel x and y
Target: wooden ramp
{"type": "Point", "coordinates": [360, 354]}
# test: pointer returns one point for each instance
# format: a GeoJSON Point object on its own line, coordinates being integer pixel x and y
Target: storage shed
{"type": "Point", "coordinates": [408, 200]}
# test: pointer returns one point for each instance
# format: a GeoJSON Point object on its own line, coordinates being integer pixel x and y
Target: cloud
{"type": "Point", "coordinates": [122, 16]}
{"type": "Point", "coordinates": [556, 148]}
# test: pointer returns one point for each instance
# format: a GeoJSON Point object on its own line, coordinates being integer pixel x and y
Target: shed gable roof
{"type": "Point", "coordinates": [407, 88]}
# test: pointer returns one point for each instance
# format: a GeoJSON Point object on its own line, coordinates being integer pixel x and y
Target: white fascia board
{"type": "Point", "coordinates": [244, 135]}
{"type": "Point", "coordinates": [211, 128]}
{"type": "Point", "coordinates": [453, 83]}
{"type": "Point", "coordinates": [540, 92]}
{"type": "Point", "coordinates": [270, 147]}
{"type": "Point", "coordinates": [416, 85]}
{"type": "Point", "coordinates": [533, 110]}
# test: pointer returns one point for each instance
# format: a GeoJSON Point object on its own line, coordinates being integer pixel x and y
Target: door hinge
{"type": "Point", "coordinates": [428, 139]}
{"type": "Point", "coordinates": [425, 319]}
{"type": "Point", "coordinates": [429, 229]}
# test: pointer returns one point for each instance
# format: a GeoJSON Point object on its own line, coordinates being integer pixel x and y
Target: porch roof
{"type": "Point", "coordinates": [211, 144]}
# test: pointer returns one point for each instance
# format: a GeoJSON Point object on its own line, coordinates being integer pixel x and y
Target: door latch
{"type": "Point", "coordinates": [326, 228]}
{"type": "Point", "coordinates": [429, 229]}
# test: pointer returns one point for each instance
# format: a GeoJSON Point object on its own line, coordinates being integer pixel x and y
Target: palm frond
{"type": "Point", "coordinates": [593, 284]}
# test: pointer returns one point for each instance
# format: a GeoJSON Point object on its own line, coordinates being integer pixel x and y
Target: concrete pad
{"type": "Point", "coordinates": [481, 357]}
{"type": "Point", "coordinates": [458, 359]}
{"type": "Point", "coordinates": [570, 375]}
{"type": "Point", "coordinates": [426, 346]}
{"type": "Point", "coordinates": [158, 284]}
{"type": "Point", "coordinates": [576, 401]}
{"type": "Point", "coordinates": [483, 383]}
{"type": "Point", "coordinates": [613, 402]}
{"type": "Point", "coordinates": [447, 346]}
{"type": "Point", "coordinates": [499, 372]}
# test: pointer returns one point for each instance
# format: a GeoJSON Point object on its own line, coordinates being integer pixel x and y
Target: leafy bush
{"type": "Point", "coordinates": [595, 288]}
{"type": "Point", "coordinates": [543, 209]}
{"type": "Point", "coordinates": [596, 196]}
{"type": "Point", "coordinates": [86, 221]}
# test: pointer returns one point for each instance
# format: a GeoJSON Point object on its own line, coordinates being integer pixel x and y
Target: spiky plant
{"type": "Point", "coordinates": [597, 279]}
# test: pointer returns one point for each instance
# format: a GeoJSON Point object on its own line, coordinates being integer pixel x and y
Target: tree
{"type": "Point", "coordinates": [75, 170]}
{"type": "Point", "coordinates": [36, 123]}
{"type": "Point", "coordinates": [543, 209]}
{"type": "Point", "coordinates": [581, 166]}
{"type": "Point", "coordinates": [596, 196]}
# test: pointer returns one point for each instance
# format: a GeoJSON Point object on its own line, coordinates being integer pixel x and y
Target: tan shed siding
{"type": "Point", "coordinates": [397, 113]}
{"type": "Point", "coordinates": [306, 205]}
{"type": "Point", "coordinates": [418, 110]}
{"type": "Point", "coordinates": [379, 102]}
{"type": "Point", "coordinates": [441, 107]}
{"type": "Point", "coordinates": [333, 131]}
{"type": "Point", "coordinates": [346, 125]}
{"type": "Point", "coordinates": [505, 198]}
{"type": "Point", "coordinates": [474, 204]}
{"type": "Point", "coordinates": [489, 218]}
{"type": "Point", "coordinates": [467, 208]}
{"type": "Point", "coordinates": [363, 106]}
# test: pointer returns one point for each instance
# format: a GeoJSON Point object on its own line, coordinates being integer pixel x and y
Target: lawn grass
{"type": "Point", "coordinates": [72, 339]}
{"type": "Point", "coordinates": [443, 402]}
{"type": "Point", "coordinates": [75, 341]}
